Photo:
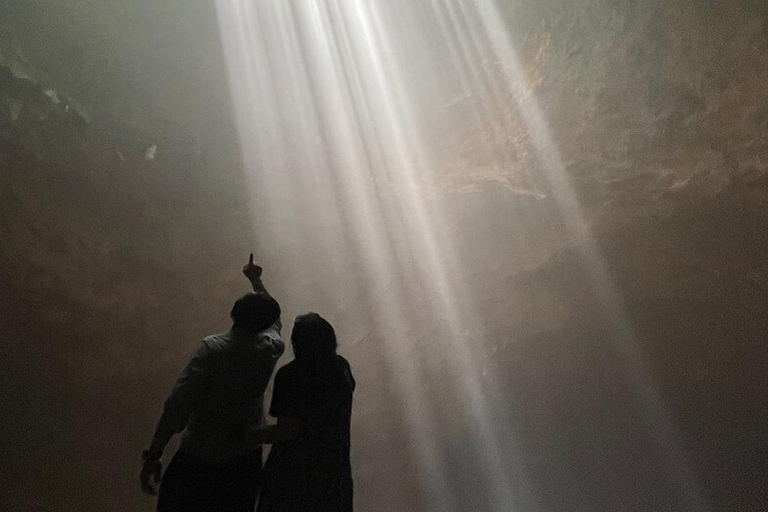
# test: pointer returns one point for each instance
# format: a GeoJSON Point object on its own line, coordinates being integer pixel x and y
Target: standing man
{"type": "Point", "coordinates": [217, 398]}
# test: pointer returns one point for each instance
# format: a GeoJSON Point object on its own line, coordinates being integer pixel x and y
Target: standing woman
{"type": "Point", "coordinates": [308, 468]}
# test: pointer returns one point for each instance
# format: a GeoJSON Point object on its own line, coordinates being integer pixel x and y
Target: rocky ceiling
{"type": "Point", "coordinates": [115, 257]}
{"type": "Point", "coordinates": [646, 101]}
{"type": "Point", "coordinates": [156, 66]}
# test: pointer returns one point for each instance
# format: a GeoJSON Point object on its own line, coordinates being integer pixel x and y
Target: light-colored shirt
{"type": "Point", "coordinates": [220, 394]}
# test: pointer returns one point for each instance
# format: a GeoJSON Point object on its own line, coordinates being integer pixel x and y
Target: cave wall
{"type": "Point", "coordinates": [650, 103]}
{"type": "Point", "coordinates": [114, 262]}
{"type": "Point", "coordinates": [112, 266]}
{"type": "Point", "coordinates": [692, 289]}
{"type": "Point", "coordinates": [657, 111]}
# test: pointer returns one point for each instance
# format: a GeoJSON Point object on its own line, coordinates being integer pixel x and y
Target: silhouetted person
{"type": "Point", "coordinates": [308, 468]}
{"type": "Point", "coordinates": [218, 397]}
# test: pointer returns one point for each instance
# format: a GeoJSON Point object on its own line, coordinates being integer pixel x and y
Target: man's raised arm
{"type": "Point", "coordinates": [253, 273]}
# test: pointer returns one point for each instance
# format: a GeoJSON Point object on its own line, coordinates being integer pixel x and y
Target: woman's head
{"type": "Point", "coordinates": [313, 337]}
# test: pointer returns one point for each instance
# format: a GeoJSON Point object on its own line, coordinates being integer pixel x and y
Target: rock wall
{"type": "Point", "coordinates": [116, 259]}
{"type": "Point", "coordinates": [113, 264]}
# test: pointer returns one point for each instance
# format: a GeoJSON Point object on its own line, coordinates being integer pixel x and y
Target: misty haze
{"type": "Point", "coordinates": [538, 227]}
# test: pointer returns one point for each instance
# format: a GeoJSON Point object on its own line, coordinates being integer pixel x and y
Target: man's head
{"type": "Point", "coordinates": [313, 337]}
{"type": "Point", "coordinates": [254, 312]}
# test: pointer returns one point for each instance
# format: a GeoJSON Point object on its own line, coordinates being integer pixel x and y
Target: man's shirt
{"type": "Point", "coordinates": [220, 393]}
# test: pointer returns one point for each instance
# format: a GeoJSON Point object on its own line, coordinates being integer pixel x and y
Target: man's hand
{"type": "Point", "coordinates": [252, 271]}
{"type": "Point", "coordinates": [151, 470]}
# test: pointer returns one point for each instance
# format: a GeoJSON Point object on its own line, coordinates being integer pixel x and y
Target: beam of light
{"type": "Point", "coordinates": [428, 236]}
{"type": "Point", "coordinates": [340, 69]}
{"type": "Point", "coordinates": [323, 117]}
{"type": "Point", "coordinates": [655, 411]}
{"type": "Point", "coordinates": [298, 90]}
{"type": "Point", "coordinates": [337, 169]}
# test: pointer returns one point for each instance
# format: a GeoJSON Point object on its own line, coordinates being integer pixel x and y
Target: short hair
{"type": "Point", "coordinates": [255, 312]}
{"type": "Point", "coordinates": [313, 337]}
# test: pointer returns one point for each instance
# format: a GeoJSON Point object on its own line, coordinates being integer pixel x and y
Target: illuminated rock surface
{"type": "Point", "coordinates": [113, 264]}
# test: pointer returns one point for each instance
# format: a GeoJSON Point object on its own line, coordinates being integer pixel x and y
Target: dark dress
{"type": "Point", "coordinates": [313, 472]}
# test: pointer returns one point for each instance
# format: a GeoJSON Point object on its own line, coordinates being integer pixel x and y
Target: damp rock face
{"type": "Point", "coordinates": [627, 367]}
{"type": "Point", "coordinates": [649, 104]}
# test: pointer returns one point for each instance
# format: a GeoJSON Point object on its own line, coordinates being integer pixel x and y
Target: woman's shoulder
{"type": "Point", "coordinates": [287, 369]}
{"type": "Point", "coordinates": [346, 372]}
{"type": "Point", "coordinates": [304, 371]}
{"type": "Point", "coordinates": [343, 363]}
{"type": "Point", "coordinates": [288, 374]}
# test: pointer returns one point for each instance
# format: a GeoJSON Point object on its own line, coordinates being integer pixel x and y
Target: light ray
{"type": "Point", "coordinates": [438, 268]}
{"type": "Point", "coordinates": [340, 179]}
{"type": "Point", "coordinates": [656, 413]}
{"type": "Point", "coordinates": [352, 195]}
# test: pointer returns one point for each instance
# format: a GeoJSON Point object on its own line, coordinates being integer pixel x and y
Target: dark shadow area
{"type": "Point", "coordinates": [117, 258]}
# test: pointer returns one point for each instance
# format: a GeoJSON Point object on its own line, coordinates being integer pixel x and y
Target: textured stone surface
{"type": "Point", "coordinates": [111, 266]}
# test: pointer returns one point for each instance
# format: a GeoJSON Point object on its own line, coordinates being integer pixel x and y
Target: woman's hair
{"type": "Point", "coordinates": [313, 337]}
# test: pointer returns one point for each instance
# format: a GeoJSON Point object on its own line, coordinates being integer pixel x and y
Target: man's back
{"type": "Point", "coordinates": [219, 394]}
{"type": "Point", "coordinates": [232, 373]}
